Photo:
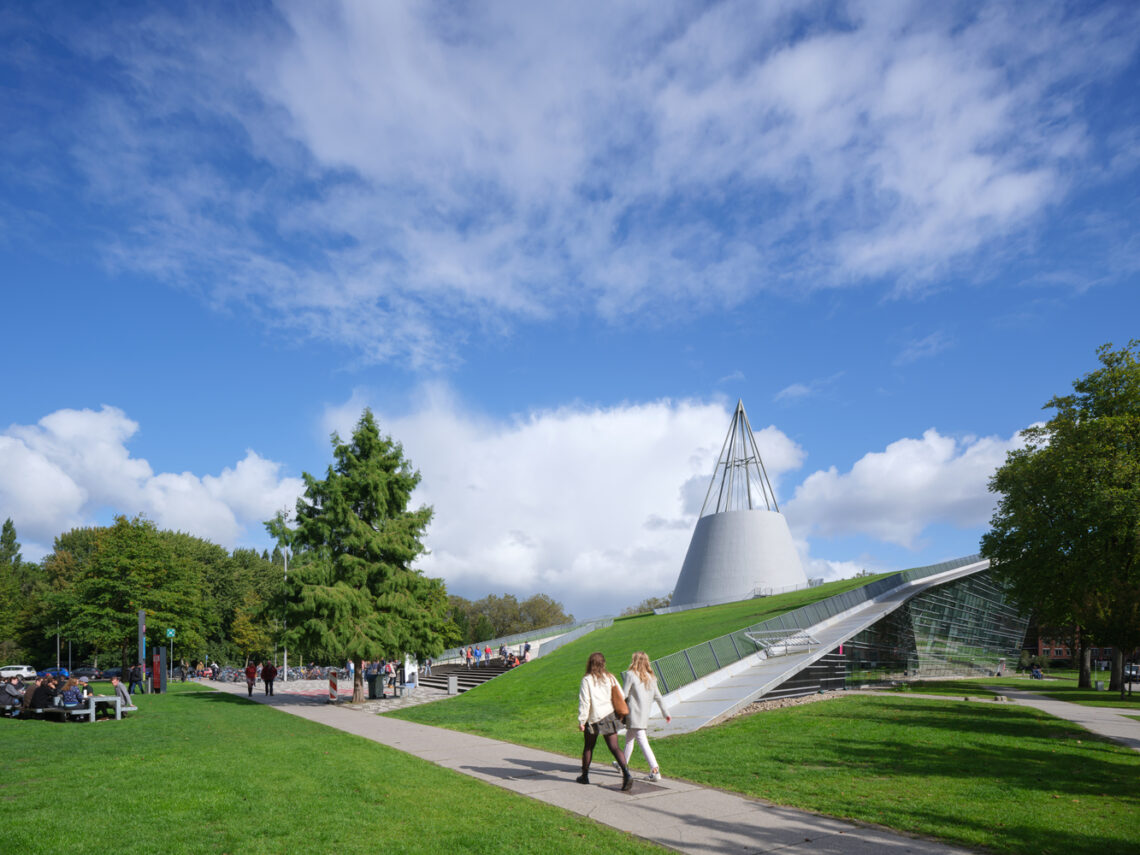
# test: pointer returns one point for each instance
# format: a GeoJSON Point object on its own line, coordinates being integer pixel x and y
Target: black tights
{"type": "Point", "coordinates": [588, 751]}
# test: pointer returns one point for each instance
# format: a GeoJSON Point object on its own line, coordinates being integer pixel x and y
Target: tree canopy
{"type": "Point", "coordinates": [352, 589]}
{"type": "Point", "coordinates": [494, 616]}
{"type": "Point", "coordinates": [1066, 532]}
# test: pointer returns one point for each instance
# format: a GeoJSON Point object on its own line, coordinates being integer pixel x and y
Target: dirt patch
{"type": "Point", "coordinates": [784, 703]}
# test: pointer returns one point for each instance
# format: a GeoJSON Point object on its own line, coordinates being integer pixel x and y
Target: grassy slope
{"type": "Point", "coordinates": [197, 772]}
{"type": "Point", "coordinates": [538, 704]}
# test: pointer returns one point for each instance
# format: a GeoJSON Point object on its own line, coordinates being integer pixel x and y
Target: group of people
{"type": "Point", "coordinates": [51, 691]}
{"type": "Point", "coordinates": [598, 693]}
{"type": "Point", "coordinates": [267, 671]}
{"type": "Point", "coordinates": [387, 672]}
{"type": "Point", "coordinates": [477, 657]}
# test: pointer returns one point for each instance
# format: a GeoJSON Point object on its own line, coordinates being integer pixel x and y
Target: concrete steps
{"type": "Point", "coordinates": [467, 678]}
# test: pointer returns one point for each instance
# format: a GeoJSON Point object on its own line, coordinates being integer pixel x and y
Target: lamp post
{"type": "Point", "coordinates": [285, 622]}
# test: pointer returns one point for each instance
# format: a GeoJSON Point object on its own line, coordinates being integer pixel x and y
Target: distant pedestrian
{"type": "Point", "coordinates": [185, 666]}
{"type": "Point", "coordinates": [469, 655]}
{"type": "Point", "coordinates": [250, 677]}
{"type": "Point", "coordinates": [268, 675]}
{"type": "Point", "coordinates": [136, 678]}
{"type": "Point", "coordinates": [640, 691]}
{"type": "Point", "coordinates": [478, 655]}
{"type": "Point", "coordinates": [427, 667]}
{"type": "Point", "coordinates": [596, 716]}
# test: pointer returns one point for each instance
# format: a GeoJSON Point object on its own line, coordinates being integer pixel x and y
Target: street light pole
{"type": "Point", "coordinates": [285, 620]}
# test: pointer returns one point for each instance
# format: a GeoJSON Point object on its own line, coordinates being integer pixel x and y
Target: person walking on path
{"type": "Point", "coordinates": [478, 655]}
{"type": "Point", "coordinates": [136, 678]}
{"type": "Point", "coordinates": [250, 677]}
{"type": "Point", "coordinates": [469, 654]}
{"type": "Point", "coordinates": [596, 716]}
{"type": "Point", "coordinates": [487, 656]}
{"type": "Point", "coordinates": [268, 675]}
{"type": "Point", "coordinates": [640, 692]}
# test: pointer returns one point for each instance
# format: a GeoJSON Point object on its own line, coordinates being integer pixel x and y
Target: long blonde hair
{"type": "Point", "coordinates": [639, 665]}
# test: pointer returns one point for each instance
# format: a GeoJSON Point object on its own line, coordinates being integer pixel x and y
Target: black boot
{"type": "Point", "coordinates": [626, 781]}
{"type": "Point", "coordinates": [584, 778]}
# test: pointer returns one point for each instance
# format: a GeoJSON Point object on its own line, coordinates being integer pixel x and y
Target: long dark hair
{"type": "Point", "coordinates": [596, 666]}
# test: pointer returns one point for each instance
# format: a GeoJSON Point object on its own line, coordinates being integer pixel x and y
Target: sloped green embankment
{"type": "Point", "coordinates": [537, 704]}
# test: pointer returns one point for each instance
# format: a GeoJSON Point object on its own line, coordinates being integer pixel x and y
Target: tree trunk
{"type": "Point", "coordinates": [1116, 681]}
{"type": "Point", "coordinates": [1084, 681]}
{"type": "Point", "coordinates": [358, 681]}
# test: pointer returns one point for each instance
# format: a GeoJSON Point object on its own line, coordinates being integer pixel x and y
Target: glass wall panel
{"type": "Point", "coordinates": [964, 628]}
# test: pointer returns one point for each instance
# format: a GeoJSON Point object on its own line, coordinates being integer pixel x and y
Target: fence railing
{"type": "Point", "coordinates": [689, 665]}
{"type": "Point", "coordinates": [523, 637]}
{"type": "Point", "coordinates": [574, 635]}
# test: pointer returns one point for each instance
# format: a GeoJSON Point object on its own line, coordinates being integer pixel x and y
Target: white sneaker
{"type": "Point", "coordinates": [655, 775]}
{"type": "Point", "coordinates": [616, 765]}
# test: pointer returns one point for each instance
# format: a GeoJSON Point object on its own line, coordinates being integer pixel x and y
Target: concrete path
{"type": "Point", "coordinates": [1105, 721]}
{"type": "Point", "coordinates": [675, 814]}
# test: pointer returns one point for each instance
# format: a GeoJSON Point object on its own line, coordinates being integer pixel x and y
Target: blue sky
{"type": "Point", "coordinates": [550, 245]}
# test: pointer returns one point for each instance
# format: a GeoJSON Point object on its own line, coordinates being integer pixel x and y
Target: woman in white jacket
{"type": "Point", "coordinates": [596, 715]}
{"type": "Point", "coordinates": [640, 692]}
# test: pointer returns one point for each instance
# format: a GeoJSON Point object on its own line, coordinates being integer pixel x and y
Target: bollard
{"type": "Point", "coordinates": [452, 684]}
{"type": "Point", "coordinates": [332, 686]}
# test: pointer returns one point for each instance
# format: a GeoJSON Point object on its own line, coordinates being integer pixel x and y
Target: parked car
{"type": "Point", "coordinates": [88, 671]}
{"type": "Point", "coordinates": [61, 673]}
{"type": "Point", "coordinates": [1132, 673]}
{"type": "Point", "coordinates": [108, 673]}
{"type": "Point", "coordinates": [24, 672]}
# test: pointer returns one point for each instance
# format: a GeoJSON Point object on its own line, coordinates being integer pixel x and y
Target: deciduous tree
{"type": "Point", "coordinates": [1066, 532]}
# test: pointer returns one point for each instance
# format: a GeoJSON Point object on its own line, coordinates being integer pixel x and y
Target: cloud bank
{"type": "Point", "coordinates": [398, 179]}
{"type": "Point", "coordinates": [73, 468]}
{"type": "Point", "coordinates": [592, 505]}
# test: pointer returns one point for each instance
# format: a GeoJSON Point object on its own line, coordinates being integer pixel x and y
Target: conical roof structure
{"type": "Point", "coordinates": [741, 546]}
{"type": "Point", "coordinates": [740, 481]}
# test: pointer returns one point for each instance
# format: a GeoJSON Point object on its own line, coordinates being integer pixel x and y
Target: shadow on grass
{"type": "Point", "coordinates": [1049, 755]}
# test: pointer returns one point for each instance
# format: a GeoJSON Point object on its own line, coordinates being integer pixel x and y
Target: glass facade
{"type": "Point", "coordinates": [964, 628]}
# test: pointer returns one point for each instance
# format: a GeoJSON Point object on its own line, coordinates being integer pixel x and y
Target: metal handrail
{"type": "Point", "coordinates": [778, 642]}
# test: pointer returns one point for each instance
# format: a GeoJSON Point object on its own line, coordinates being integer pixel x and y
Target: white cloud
{"type": "Point", "coordinates": [924, 348]}
{"type": "Point", "coordinates": [895, 494]}
{"type": "Point", "coordinates": [395, 178]}
{"type": "Point", "coordinates": [73, 467]}
{"type": "Point", "coordinates": [592, 506]}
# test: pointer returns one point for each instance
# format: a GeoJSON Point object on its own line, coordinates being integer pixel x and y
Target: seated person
{"type": "Point", "coordinates": [121, 692]}
{"type": "Point", "coordinates": [12, 695]}
{"type": "Point", "coordinates": [85, 688]}
{"type": "Point", "coordinates": [44, 694]}
{"type": "Point", "coordinates": [72, 695]}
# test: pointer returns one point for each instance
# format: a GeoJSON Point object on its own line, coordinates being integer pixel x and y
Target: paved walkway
{"type": "Point", "coordinates": [1106, 721]}
{"type": "Point", "coordinates": [675, 814]}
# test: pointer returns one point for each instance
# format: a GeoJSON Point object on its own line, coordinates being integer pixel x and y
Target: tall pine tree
{"type": "Point", "coordinates": [353, 592]}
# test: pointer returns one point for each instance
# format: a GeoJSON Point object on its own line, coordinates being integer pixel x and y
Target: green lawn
{"type": "Point", "coordinates": [538, 703]}
{"type": "Point", "coordinates": [197, 771]}
{"type": "Point", "coordinates": [984, 775]}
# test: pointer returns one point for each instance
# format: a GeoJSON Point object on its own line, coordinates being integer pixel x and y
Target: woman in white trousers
{"type": "Point", "coordinates": [640, 692]}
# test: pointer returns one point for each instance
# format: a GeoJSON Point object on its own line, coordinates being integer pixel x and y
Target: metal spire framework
{"type": "Point", "coordinates": [739, 480]}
